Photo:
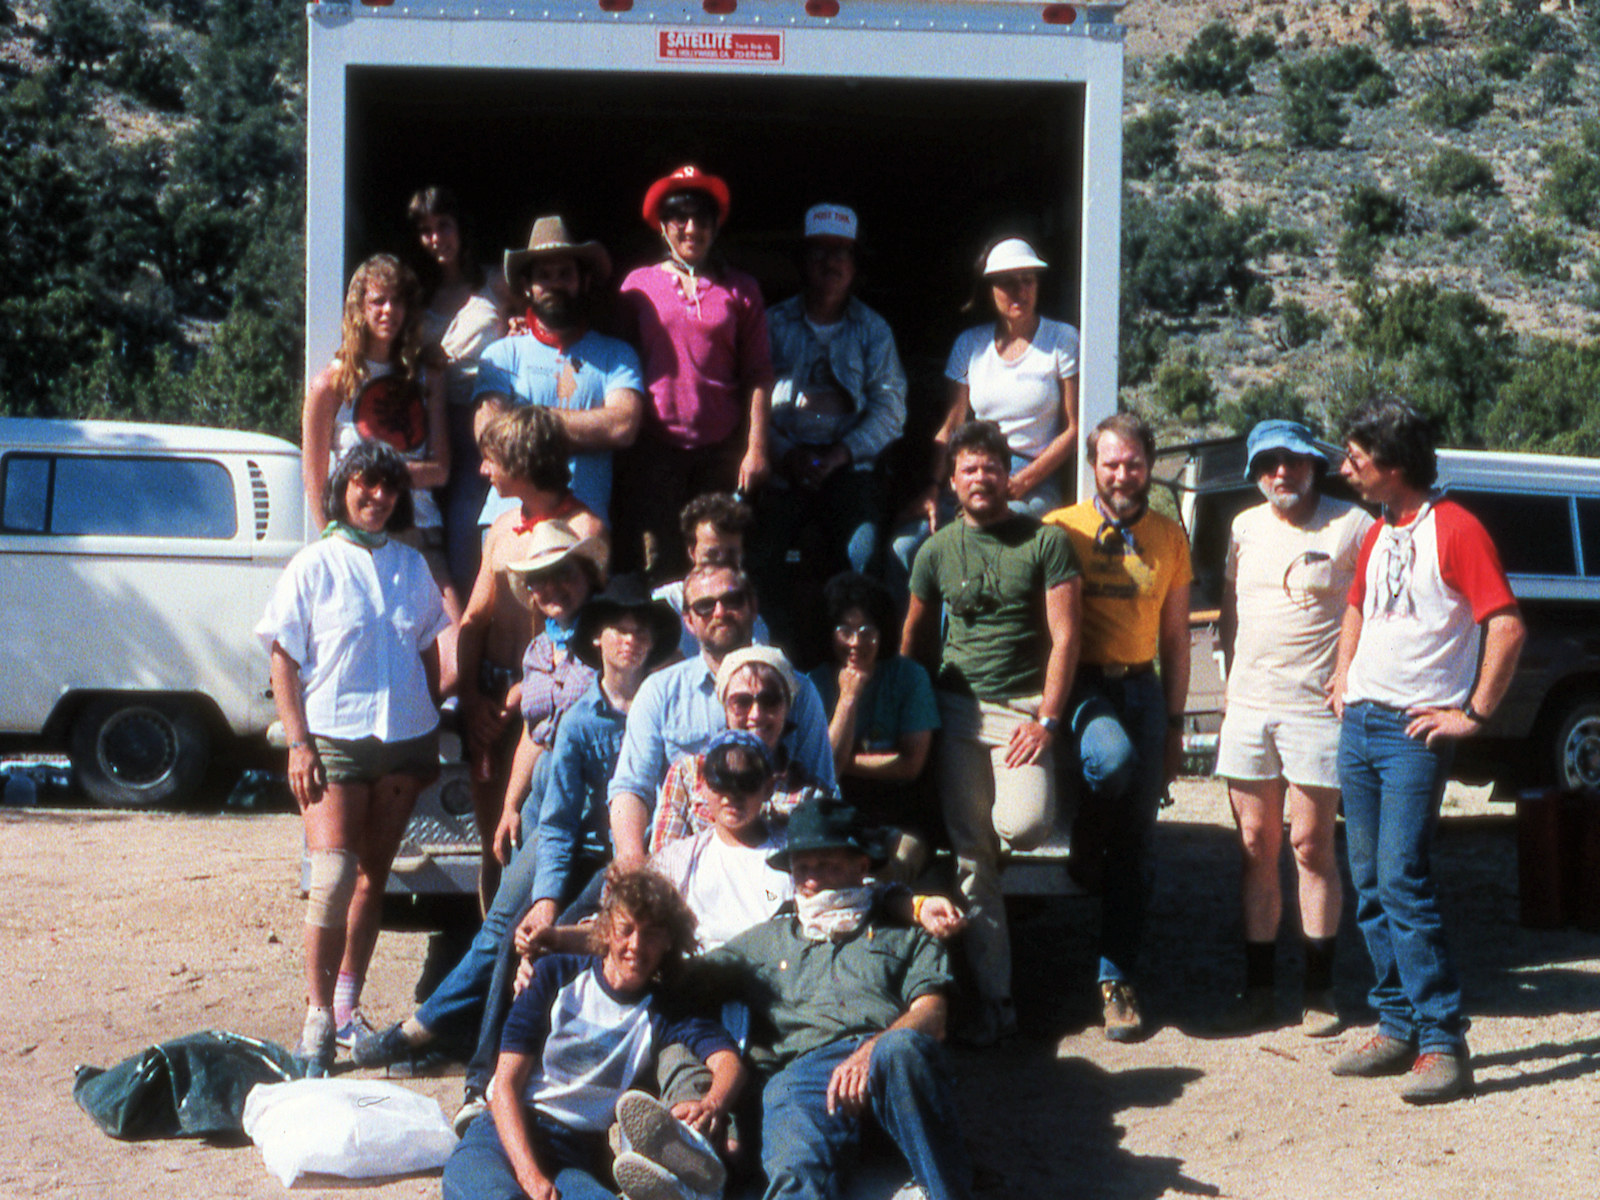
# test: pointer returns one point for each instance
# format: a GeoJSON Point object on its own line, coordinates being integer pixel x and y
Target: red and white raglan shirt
{"type": "Point", "coordinates": [1424, 590]}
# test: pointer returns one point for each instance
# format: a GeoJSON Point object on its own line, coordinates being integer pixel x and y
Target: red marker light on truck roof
{"type": "Point", "coordinates": [719, 8]}
{"type": "Point", "coordinates": [616, 5]}
{"type": "Point", "coordinates": [1059, 14]}
{"type": "Point", "coordinates": [822, 8]}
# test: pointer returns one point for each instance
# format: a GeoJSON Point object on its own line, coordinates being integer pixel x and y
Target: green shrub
{"type": "Point", "coordinates": [1184, 388]}
{"type": "Point", "coordinates": [1453, 106]}
{"type": "Point", "coordinates": [1371, 210]}
{"type": "Point", "coordinates": [1301, 326]}
{"type": "Point", "coordinates": [1358, 255]}
{"type": "Point", "coordinates": [1446, 351]}
{"type": "Point", "coordinates": [1459, 222]}
{"type": "Point", "coordinates": [1208, 137]}
{"type": "Point", "coordinates": [1143, 344]}
{"type": "Point", "coordinates": [1551, 401]}
{"type": "Point", "coordinates": [1218, 61]}
{"type": "Point", "coordinates": [1278, 399]}
{"type": "Point", "coordinates": [1341, 70]}
{"type": "Point", "coordinates": [1521, 24]}
{"type": "Point", "coordinates": [1149, 144]}
{"type": "Point", "coordinates": [1555, 78]}
{"type": "Point", "coordinates": [1537, 253]}
{"type": "Point", "coordinates": [1288, 240]}
{"type": "Point", "coordinates": [1399, 26]}
{"type": "Point", "coordinates": [1184, 251]}
{"type": "Point", "coordinates": [1312, 118]}
{"type": "Point", "coordinates": [1591, 295]}
{"type": "Point", "coordinates": [1257, 299]}
{"type": "Point", "coordinates": [80, 33]}
{"type": "Point", "coordinates": [1572, 188]}
{"type": "Point", "coordinates": [149, 69]}
{"type": "Point", "coordinates": [1506, 60]}
{"type": "Point", "coordinates": [1375, 91]}
{"type": "Point", "coordinates": [1453, 172]}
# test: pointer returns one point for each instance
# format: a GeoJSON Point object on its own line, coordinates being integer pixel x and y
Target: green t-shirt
{"type": "Point", "coordinates": [804, 994]}
{"type": "Point", "coordinates": [991, 582]}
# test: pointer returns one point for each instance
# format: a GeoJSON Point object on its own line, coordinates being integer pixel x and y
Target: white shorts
{"type": "Point", "coordinates": [1300, 747]}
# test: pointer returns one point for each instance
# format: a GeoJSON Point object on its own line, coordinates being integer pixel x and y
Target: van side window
{"type": "Point", "coordinates": [1532, 533]}
{"type": "Point", "coordinates": [1589, 533]}
{"type": "Point", "coordinates": [74, 496]}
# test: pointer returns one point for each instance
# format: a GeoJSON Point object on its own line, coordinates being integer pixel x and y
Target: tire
{"type": "Point", "coordinates": [140, 752]}
{"type": "Point", "coordinates": [1574, 753]}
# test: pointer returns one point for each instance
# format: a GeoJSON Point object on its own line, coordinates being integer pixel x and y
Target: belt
{"type": "Point", "coordinates": [1116, 671]}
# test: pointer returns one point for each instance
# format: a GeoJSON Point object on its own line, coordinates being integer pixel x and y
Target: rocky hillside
{"type": "Point", "coordinates": [1410, 196]}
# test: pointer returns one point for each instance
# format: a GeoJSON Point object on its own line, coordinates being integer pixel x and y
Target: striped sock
{"type": "Point", "coordinates": [346, 997]}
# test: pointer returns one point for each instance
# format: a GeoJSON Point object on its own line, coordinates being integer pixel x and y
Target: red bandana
{"type": "Point", "coordinates": [561, 339]}
{"type": "Point", "coordinates": [569, 505]}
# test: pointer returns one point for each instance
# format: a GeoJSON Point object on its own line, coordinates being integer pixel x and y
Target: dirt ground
{"type": "Point", "coordinates": [121, 930]}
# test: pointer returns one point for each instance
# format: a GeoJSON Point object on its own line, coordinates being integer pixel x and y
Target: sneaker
{"type": "Point", "coordinates": [1124, 1022]}
{"type": "Point", "coordinates": [1253, 1010]}
{"type": "Point", "coordinates": [353, 1030]}
{"type": "Point", "coordinates": [473, 1105]}
{"type": "Point", "coordinates": [1319, 1017]}
{"type": "Point", "coordinates": [1438, 1077]}
{"type": "Point", "coordinates": [650, 1129]}
{"type": "Point", "coordinates": [374, 1049]}
{"type": "Point", "coordinates": [1378, 1055]}
{"type": "Point", "coordinates": [995, 1022]}
{"type": "Point", "coordinates": [317, 1045]}
{"type": "Point", "coordinates": [640, 1179]}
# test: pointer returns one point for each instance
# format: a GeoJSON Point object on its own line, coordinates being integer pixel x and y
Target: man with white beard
{"type": "Point", "coordinates": [1289, 568]}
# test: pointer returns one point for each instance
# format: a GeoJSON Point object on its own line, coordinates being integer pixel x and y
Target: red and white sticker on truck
{"type": "Point", "coordinates": [717, 45]}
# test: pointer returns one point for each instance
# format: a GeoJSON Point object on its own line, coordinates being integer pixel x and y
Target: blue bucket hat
{"type": "Point", "coordinates": [1279, 434]}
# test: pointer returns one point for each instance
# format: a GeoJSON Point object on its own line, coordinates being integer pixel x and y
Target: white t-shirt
{"type": "Point", "coordinates": [728, 888]}
{"type": "Point", "coordinates": [1023, 397]}
{"type": "Point", "coordinates": [1293, 585]}
{"type": "Point", "coordinates": [357, 622]}
{"type": "Point", "coordinates": [1424, 589]}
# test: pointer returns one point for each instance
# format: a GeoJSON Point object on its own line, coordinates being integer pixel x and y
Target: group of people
{"type": "Point", "coordinates": [702, 942]}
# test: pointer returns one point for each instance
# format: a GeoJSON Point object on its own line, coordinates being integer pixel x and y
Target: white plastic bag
{"type": "Point", "coordinates": [354, 1128]}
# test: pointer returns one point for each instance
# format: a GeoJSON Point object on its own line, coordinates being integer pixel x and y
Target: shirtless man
{"type": "Point", "coordinates": [525, 456]}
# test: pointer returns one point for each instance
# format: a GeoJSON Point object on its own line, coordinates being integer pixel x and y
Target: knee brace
{"type": "Point", "coordinates": [333, 882]}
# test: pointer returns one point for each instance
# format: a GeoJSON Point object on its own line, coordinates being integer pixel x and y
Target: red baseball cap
{"type": "Point", "coordinates": [685, 179]}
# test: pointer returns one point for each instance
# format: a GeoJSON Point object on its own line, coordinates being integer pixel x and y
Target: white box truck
{"type": "Point", "coordinates": [941, 123]}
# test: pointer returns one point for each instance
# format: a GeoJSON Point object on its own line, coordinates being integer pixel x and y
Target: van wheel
{"type": "Point", "coordinates": [1575, 752]}
{"type": "Point", "coordinates": [139, 753]}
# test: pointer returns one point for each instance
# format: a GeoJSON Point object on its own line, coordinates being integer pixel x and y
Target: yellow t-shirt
{"type": "Point", "coordinates": [1122, 591]}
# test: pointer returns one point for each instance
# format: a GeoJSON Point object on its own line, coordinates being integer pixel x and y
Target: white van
{"type": "Point", "coordinates": [134, 562]}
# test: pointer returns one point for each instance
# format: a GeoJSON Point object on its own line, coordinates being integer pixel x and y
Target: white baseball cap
{"type": "Point", "coordinates": [831, 220]}
{"type": "Point", "coordinates": [1013, 254]}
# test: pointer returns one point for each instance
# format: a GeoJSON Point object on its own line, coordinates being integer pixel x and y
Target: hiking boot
{"type": "Point", "coordinates": [473, 1105]}
{"type": "Point", "coordinates": [650, 1130]}
{"type": "Point", "coordinates": [1438, 1077]}
{"type": "Point", "coordinates": [1252, 1011]}
{"type": "Point", "coordinates": [640, 1179]}
{"type": "Point", "coordinates": [1319, 1017]}
{"type": "Point", "coordinates": [1378, 1055]}
{"type": "Point", "coordinates": [1124, 1022]}
{"type": "Point", "coordinates": [373, 1049]}
{"type": "Point", "coordinates": [317, 1045]}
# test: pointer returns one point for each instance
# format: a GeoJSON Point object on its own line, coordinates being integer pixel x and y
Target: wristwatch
{"type": "Point", "coordinates": [1049, 724]}
{"type": "Point", "coordinates": [1472, 714]}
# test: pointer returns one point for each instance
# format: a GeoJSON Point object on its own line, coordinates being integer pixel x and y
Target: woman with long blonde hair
{"type": "Point", "coordinates": [376, 389]}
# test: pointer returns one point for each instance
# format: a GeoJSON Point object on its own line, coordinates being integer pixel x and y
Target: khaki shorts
{"type": "Point", "coordinates": [1300, 747]}
{"type": "Point", "coordinates": [367, 760]}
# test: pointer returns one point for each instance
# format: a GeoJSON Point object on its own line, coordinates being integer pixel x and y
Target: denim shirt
{"type": "Point", "coordinates": [573, 817]}
{"type": "Point", "coordinates": [676, 712]}
{"type": "Point", "coordinates": [866, 364]}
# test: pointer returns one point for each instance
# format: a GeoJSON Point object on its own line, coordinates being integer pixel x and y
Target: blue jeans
{"type": "Point", "coordinates": [480, 1170]}
{"type": "Point", "coordinates": [803, 1149]}
{"type": "Point", "coordinates": [1118, 748]}
{"type": "Point", "coordinates": [456, 1006]}
{"type": "Point", "coordinates": [1392, 788]}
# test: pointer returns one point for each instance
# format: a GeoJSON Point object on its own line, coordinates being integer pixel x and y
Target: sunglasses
{"type": "Point", "coordinates": [706, 605]}
{"type": "Point", "coordinates": [1271, 460]}
{"type": "Point", "coordinates": [740, 703]}
{"type": "Point", "coordinates": [851, 634]}
{"type": "Point", "coordinates": [736, 785]}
